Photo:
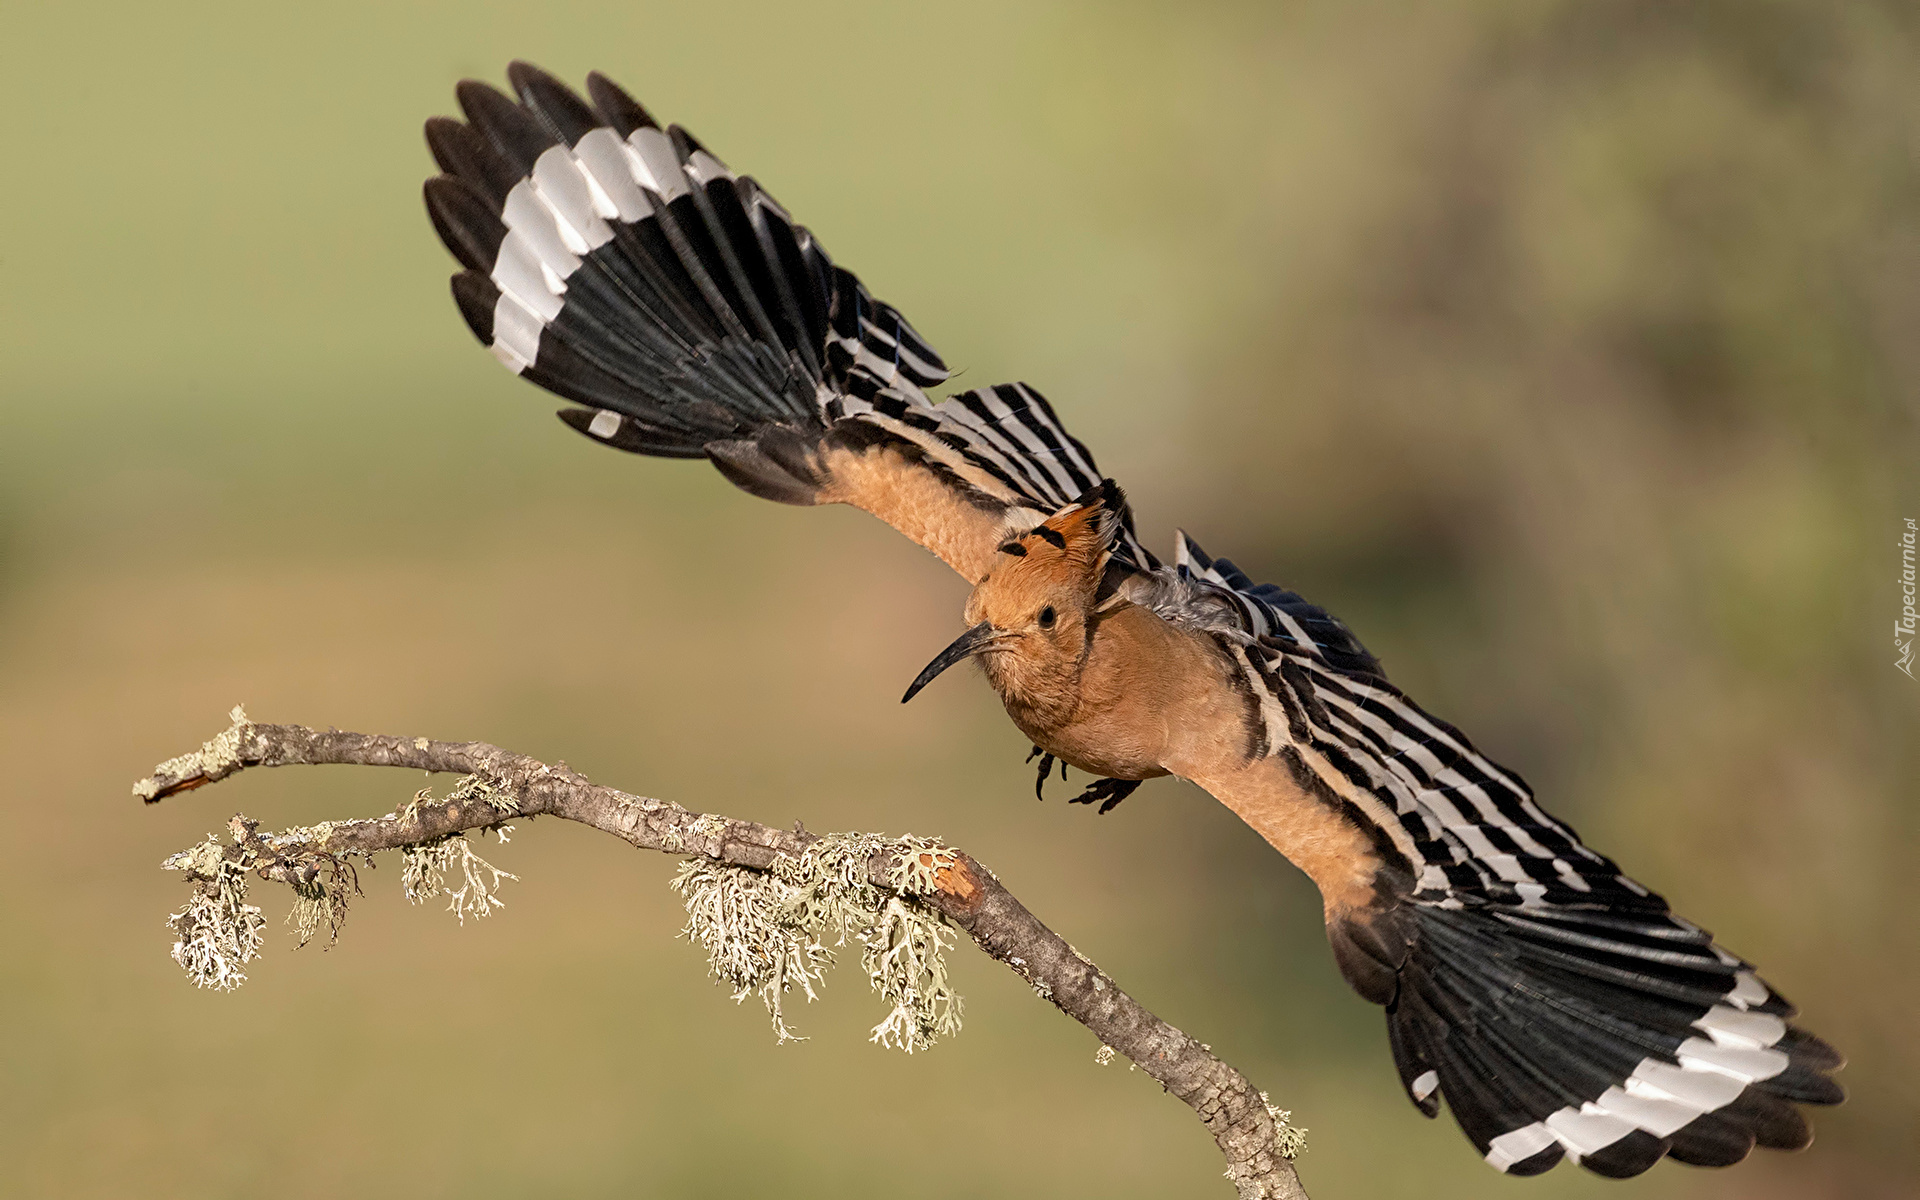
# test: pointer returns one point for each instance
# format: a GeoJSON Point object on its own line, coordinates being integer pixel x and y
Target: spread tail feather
{"type": "Point", "coordinates": [1610, 1038]}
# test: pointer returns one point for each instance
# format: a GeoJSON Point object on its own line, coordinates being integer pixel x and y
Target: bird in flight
{"type": "Point", "coordinates": [1561, 1009]}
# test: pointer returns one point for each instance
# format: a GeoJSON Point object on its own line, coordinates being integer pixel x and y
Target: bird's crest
{"type": "Point", "coordinates": [1077, 540]}
{"type": "Point", "coordinates": [1072, 546]}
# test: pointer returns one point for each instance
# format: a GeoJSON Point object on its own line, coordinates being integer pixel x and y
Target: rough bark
{"type": "Point", "coordinates": [1234, 1112]}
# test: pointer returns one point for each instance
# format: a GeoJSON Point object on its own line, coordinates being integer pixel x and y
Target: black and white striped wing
{"type": "Point", "coordinates": [626, 268]}
{"type": "Point", "coordinates": [1561, 1008]}
{"type": "Point", "coordinates": [1465, 824]}
{"type": "Point", "coordinates": [1001, 447]}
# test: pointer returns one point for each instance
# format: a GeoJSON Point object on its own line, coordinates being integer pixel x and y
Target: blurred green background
{"type": "Point", "coordinates": [1567, 349]}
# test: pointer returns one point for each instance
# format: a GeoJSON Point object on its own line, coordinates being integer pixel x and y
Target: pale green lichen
{"type": "Point", "coordinates": [427, 866]}
{"type": "Point", "coordinates": [216, 758]}
{"type": "Point", "coordinates": [467, 787]}
{"type": "Point", "coordinates": [768, 932]}
{"type": "Point", "coordinates": [1289, 1141]}
{"type": "Point", "coordinates": [905, 957]}
{"type": "Point", "coordinates": [218, 931]}
{"type": "Point", "coordinates": [473, 787]}
{"type": "Point", "coordinates": [199, 862]}
{"type": "Point", "coordinates": [312, 838]}
{"type": "Point", "coordinates": [322, 901]}
{"type": "Point", "coordinates": [742, 919]}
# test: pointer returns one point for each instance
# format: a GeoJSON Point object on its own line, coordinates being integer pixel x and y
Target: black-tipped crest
{"type": "Point", "coordinates": [1087, 529]}
{"type": "Point", "coordinates": [1107, 506]}
{"type": "Point", "coordinates": [1087, 526]}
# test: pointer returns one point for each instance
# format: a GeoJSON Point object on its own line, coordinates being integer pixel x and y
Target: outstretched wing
{"type": "Point", "coordinates": [999, 451]}
{"type": "Point", "coordinates": [1562, 1009]}
{"type": "Point", "coordinates": [1466, 825]}
{"type": "Point", "coordinates": [626, 268]}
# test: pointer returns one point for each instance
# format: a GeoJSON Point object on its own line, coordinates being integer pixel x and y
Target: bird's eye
{"type": "Point", "coordinates": [1046, 617]}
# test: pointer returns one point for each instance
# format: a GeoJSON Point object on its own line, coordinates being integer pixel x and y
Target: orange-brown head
{"type": "Point", "coordinates": [1031, 617]}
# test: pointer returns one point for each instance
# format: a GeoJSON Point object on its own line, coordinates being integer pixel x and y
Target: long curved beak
{"type": "Point", "coordinates": [964, 647]}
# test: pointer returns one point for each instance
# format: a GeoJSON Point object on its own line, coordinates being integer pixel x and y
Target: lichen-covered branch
{"type": "Point", "coordinates": [811, 891]}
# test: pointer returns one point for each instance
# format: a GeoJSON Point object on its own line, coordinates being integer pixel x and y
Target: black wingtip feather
{"type": "Point", "coordinates": [512, 131]}
{"type": "Point", "coordinates": [565, 115]}
{"type": "Point", "coordinates": [1775, 1123]}
{"type": "Point", "coordinates": [619, 110]}
{"type": "Point", "coordinates": [686, 145]}
{"type": "Point", "coordinates": [1539, 1164]}
{"type": "Point", "coordinates": [476, 295]}
{"type": "Point", "coordinates": [462, 152]}
{"type": "Point", "coordinates": [469, 226]}
{"type": "Point", "coordinates": [1630, 1156]}
{"type": "Point", "coordinates": [443, 138]}
{"type": "Point", "coordinates": [1803, 1083]}
{"type": "Point", "coordinates": [1811, 1052]}
{"type": "Point", "coordinates": [1411, 1060]}
{"type": "Point", "coordinates": [1711, 1140]}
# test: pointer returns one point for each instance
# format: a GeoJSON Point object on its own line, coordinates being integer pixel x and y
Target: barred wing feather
{"type": "Point", "coordinates": [626, 268]}
{"type": "Point", "coordinates": [1560, 1008]}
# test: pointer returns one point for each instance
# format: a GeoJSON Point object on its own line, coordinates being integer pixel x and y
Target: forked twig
{"type": "Point", "coordinates": [506, 786]}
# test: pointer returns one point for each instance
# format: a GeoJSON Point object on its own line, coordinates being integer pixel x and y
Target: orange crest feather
{"type": "Point", "coordinates": [1073, 545]}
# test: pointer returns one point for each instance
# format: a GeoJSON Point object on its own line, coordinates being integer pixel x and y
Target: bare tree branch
{"type": "Point", "coordinates": [1234, 1112]}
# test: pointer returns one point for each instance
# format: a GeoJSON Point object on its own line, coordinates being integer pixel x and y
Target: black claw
{"type": "Point", "coordinates": [1046, 765]}
{"type": "Point", "coordinates": [1108, 792]}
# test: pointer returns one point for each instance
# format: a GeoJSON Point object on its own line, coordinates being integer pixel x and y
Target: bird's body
{"type": "Point", "coordinates": [1127, 694]}
{"type": "Point", "coordinates": [1151, 699]}
{"type": "Point", "coordinates": [1561, 1008]}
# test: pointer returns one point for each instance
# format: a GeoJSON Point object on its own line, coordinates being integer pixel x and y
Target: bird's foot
{"type": "Point", "coordinates": [1046, 765]}
{"type": "Point", "coordinates": [1108, 792]}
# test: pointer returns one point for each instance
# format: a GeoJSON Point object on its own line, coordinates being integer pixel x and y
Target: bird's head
{"type": "Point", "coordinates": [1031, 618]}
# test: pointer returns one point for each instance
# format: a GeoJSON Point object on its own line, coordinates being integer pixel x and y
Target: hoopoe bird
{"type": "Point", "coordinates": [1561, 1009]}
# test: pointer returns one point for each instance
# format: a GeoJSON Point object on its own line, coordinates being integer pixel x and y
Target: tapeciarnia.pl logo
{"type": "Point", "coordinates": [1903, 628]}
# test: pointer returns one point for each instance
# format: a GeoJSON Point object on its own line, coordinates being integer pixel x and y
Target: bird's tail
{"type": "Point", "coordinates": [1609, 1037]}
{"type": "Point", "coordinates": [626, 268]}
